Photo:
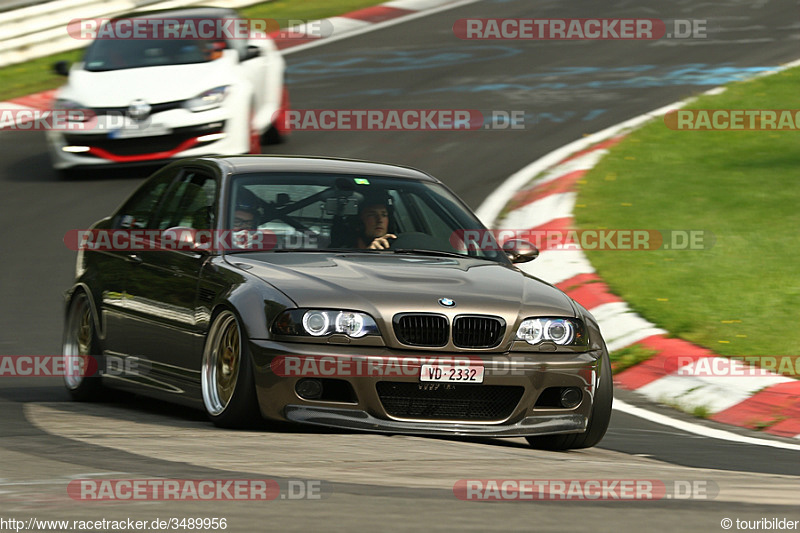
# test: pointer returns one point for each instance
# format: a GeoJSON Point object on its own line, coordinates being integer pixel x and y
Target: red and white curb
{"type": "Point", "coordinates": [542, 197]}
{"type": "Point", "coordinates": [302, 37]}
{"type": "Point", "coordinates": [361, 21]}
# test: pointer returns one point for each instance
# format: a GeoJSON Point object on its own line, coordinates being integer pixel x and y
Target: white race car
{"type": "Point", "coordinates": [164, 97]}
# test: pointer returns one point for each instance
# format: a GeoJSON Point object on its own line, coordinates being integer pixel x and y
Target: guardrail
{"type": "Point", "coordinates": [41, 30]}
{"type": "Point", "coordinates": [10, 5]}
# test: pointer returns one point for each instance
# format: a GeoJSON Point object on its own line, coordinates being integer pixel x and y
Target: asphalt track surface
{"type": "Point", "coordinates": [566, 89]}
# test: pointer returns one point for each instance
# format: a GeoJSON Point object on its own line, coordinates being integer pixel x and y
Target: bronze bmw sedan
{"type": "Point", "coordinates": [330, 292]}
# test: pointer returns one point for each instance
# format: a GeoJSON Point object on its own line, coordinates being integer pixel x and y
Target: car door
{"type": "Point", "coordinates": [162, 292]}
{"type": "Point", "coordinates": [112, 269]}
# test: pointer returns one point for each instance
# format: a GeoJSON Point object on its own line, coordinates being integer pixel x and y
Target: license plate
{"type": "Point", "coordinates": [451, 373]}
{"type": "Point", "coordinates": [130, 132]}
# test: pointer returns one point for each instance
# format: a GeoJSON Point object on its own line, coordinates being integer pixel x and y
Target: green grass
{"type": "Point", "coordinates": [629, 356]}
{"type": "Point", "coordinates": [36, 75]}
{"type": "Point", "coordinates": [741, 296]}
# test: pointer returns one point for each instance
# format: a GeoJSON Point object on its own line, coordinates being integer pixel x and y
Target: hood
{"type": "Point", "coordinates": [154, 85]}
{"type": "Point", "coordinates": [384, 285]}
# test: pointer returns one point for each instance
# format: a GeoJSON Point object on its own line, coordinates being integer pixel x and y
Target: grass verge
{"type": "Point", "coordinates": [629, 356]}
{"type": "Point", "coordinates": [36, 75]}
{"type": "Point", "coordinates": [739, 296]}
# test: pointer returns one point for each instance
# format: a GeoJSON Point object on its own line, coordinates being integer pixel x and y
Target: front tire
{"type": "Point", "coordinates": [254, 139]}
{"type": "Point", "coordinates": [598, 420]}
{"type": "Point", "coordinates": [68, 174]}
{"type": "Point", "coordinates": [227, 380]}
{"type": "Point", "coordinates": [278, 131]}
{"type": "Point", "coordinates": [79, 349]}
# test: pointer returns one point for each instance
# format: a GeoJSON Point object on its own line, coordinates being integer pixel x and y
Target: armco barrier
{"type": "Point", "coordinates": [41, 30]}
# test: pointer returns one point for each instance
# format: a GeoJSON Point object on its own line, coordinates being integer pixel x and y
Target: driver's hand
{"type": "Point", "coordinates": [382, 243]}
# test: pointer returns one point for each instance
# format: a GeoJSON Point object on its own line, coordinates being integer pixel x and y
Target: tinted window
{"type": "Point", "coordinates": [190, 203]}
{"type": "Point", "coordinates": [137, 211]}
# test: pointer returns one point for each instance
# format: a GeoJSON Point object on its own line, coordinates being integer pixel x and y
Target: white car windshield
{"type": "Point", "coordinates": [118, 54]}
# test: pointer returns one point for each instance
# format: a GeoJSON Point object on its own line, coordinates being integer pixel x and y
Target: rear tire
{"type": "Point", "coordinates": [80, 352]}
{"type": "Point", "coordinates": [598, 420]}
{"type": "Point", "coordinates": [68, 174]}
{"type": "Point", "coordinates": [272, 136]}
{"type": "Point", "coordinates": [228, 384]}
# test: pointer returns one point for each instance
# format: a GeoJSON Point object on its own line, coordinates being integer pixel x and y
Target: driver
{"type": "Point", "coordinates": [244, 218]}
{"type": "Point", "coordinates": [374, 225]}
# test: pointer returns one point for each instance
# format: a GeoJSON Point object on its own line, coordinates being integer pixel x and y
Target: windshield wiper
{"type": "Point", "coordinates": [418, 251]}
{"type": "Point", "coordinates": [324, 250]}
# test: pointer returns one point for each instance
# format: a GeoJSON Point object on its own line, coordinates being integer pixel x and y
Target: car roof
{"type": "Point", "coordinates": [184, 12]}
{"type": "Point", "coordinates": [246, 164]}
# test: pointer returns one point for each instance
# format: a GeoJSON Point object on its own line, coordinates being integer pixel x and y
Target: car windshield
{"type": "Point", "coordinates": [313, 212]}
{"type": "Point", "coordinates": [118, 54]}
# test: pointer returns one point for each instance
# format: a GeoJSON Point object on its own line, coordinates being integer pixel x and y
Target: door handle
{"type": "Point", "coordinates": [134, 258]}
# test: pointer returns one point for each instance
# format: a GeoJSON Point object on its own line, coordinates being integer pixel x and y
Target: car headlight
{"type": "Point", "coordinates": [211, 99]}
{"type": "Point", "coordinates": [81, 114]}
{"type": "Point", "coordinates": [561, 331]}
{"type": "Point", "coordinates": [320, 322]}
{"type": "Point", "coordinates": [63, 103]}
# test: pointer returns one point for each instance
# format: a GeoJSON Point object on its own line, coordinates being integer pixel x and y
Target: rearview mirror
{"type": "Point", "coordinates": [341, 206]}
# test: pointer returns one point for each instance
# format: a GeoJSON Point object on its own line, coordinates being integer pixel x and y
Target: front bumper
{"type": "Point", "coordinates": [363, 421]}
{"type": "Point", "coordinates": [533, 373]}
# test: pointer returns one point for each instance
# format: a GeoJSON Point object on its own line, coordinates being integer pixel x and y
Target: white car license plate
{"type": "Point", "coordinates": [151, 130]}
{"type": "Point", "coordinates": [452, 373]}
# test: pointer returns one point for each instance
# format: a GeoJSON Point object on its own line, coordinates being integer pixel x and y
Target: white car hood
{"type": "Point", "coordinates": [154, 85]}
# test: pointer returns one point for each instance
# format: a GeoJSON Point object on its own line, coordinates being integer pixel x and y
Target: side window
{"type": "Point", "coordinates": [190, 203]}
{"type": "Point", "coordinates": [137, 212]}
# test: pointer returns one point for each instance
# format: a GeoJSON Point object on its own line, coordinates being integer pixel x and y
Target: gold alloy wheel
{"type": "Point", "coordinates": [221, 362]}
{"type": "Point", "coordinates": [78, 343]}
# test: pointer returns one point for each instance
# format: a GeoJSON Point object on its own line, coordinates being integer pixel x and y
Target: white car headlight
{"type": "Point", "coordinates": [322, 322]}
{"type": "Point", "coordinates": [76, 112]}
{"type": "Point", "coordinates": [210, 99]}
{"type": "Point", "coordinates": [63, 103]}
{"type": "Point", "coordinates": [561, 331]}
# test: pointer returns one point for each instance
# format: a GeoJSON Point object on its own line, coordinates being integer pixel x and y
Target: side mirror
{"type": "Point", "coordinates": [61, 68]}
{"type": "Point", "coordinates": [252, 52]}
{"type": "Point", "coordinates": [185, 238]}
{"type": "Point", "coordinates": [520, 250]}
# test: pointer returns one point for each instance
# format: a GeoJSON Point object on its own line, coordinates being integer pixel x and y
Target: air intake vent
{"type": "Point", "coordinates": [441, 401]}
